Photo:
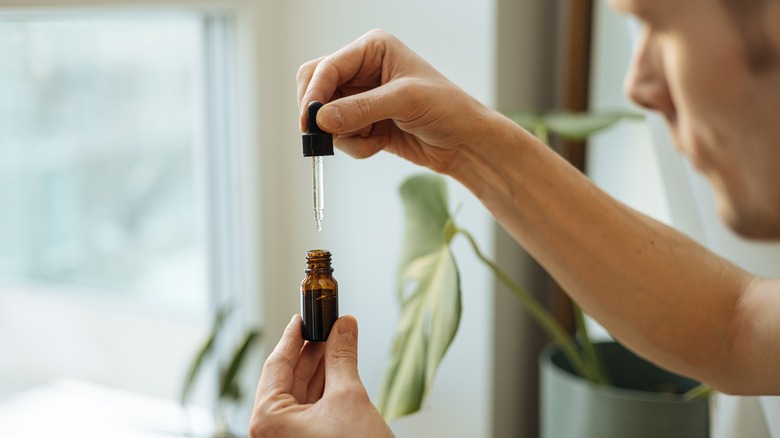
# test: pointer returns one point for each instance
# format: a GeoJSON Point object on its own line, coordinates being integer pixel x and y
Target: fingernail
{"type": "Point", "coordinates": [329, 118]}
{"type": "Point", "coordinates": [345, 328]}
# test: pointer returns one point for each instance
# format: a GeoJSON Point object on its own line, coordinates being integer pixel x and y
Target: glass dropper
{"type": "Point", "coordinates": [319, 190]}
{"type": "Point", "coordinates": [316, 144]}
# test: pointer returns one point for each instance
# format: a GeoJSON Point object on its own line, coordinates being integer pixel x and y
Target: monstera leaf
{"type": "Point", "coordinates": [580, 126]}
{"type": "Point", "coordinates": [572, 126]}
{"type": "Point", "coordinates": [429, 291]}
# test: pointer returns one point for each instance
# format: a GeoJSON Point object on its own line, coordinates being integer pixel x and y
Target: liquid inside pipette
{"type": "Point", "coordinates": [319, 191]}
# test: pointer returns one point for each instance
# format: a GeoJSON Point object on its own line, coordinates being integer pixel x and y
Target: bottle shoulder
{"type": "Point", "coordinates": [311, 282]}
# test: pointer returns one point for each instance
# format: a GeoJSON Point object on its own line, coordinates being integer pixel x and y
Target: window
{"type": "Point", "coordinates": [100, 127]}
{"type": "Point", "coordinates": [107, 254]}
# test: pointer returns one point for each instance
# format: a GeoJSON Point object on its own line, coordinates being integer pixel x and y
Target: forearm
{"type": "Point", "coordinates": [653, 288]}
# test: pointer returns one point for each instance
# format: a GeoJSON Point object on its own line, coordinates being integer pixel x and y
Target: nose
{"type": "Point", "coordinates": [646, 82]}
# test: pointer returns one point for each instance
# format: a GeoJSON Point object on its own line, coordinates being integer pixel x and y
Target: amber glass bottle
{"type": "Point", "coordinates": [319, 296]}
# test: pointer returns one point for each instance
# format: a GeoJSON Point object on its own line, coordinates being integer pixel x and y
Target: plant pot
{"type": "Point", "coordinates": [633, 406]}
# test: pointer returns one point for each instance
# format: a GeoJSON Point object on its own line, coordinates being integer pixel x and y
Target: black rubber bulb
{"type": "Point", "coordinates": [316, 142]}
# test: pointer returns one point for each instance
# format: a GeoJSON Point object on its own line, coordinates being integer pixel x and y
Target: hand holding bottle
{"type": "Point", "coordinates": [379, 95]}
{"type": "Point", "coordinates": [314, 390]}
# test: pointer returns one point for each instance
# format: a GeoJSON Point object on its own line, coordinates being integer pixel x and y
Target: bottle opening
{"type": "Point", "coordinates": [318, 260]}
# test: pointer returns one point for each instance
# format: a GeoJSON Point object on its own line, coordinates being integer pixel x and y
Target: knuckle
{"type": "Point", "coordinates": [380, 38]}
{"type": "Point", "coordinates": [272, 362]}
{"type": "Point", "coordinates": [353, 391]}
{"type": "Point", "coordinates": [378, 34]}
{"type": "Point", "coordinates": [304, 71]}
{"type": "Point", "coordinates": [344, 355]}
{"type": "Point", "coordinates": [307, 69]}
{"type": "Point", "coordinates": [363, 109]}
{"type": "Point", "coordinates": [410, 87]}
{"type": "Point", "coordinates": [416, 94]}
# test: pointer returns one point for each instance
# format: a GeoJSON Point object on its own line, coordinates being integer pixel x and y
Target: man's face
{"type": "Point", "coordinates": [693, 66]}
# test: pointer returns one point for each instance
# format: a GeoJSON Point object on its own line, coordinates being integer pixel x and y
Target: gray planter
{"type": "Point", "coordinates": [633, 407]}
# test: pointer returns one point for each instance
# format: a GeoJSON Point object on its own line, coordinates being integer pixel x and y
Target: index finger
{"type": "Point", "coordinates": [305, 72]}
{"type": "Point", "coordinates": [277, 376]}
{"type": "Point", "coordinates": [319, 79]}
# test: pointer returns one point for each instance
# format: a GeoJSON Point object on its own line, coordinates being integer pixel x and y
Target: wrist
{"type": "Point", "coordinates": [490, 164]}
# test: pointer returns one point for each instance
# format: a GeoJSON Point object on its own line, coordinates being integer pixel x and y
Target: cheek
{"type": "Point", "coordinates": [706, 75]}
{"type": "Point", "coordinates": [708, 90]}
{"type": "Point", "coordinates": [754, 138]}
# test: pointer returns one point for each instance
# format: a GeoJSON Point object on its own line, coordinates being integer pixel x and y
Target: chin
{"type": "Point", "coordinates": [750, 225]}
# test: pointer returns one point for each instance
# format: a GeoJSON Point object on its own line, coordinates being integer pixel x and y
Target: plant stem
{"type": "Point", "coordinates": [587, 344]}
{"type": "Point", "coordinates": [700, 391]}
{"type": "Point", "coordinates": [541, 132]}
{"type": "Point", "coordinates": [541, 315]}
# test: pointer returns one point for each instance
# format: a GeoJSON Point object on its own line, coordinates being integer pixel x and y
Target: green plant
{"type": "Point", "coordinates": [229, 390]}
{"type": "Point", "coordinates": [568, 125]}
{"type": "Point", "coordinates": [429, 284]}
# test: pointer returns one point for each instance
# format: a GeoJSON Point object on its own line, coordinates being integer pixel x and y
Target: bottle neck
{"type": "Point", "coordinates": [318, 261]}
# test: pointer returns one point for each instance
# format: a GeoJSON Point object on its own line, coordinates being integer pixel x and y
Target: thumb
{"type": "Point", "coordinates": [341, 354]}
{"type": "Point", "coordinates": [353, 113]}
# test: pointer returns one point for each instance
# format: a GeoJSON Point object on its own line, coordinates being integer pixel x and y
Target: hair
{"type": "Point", "coordinates": [747, 15]}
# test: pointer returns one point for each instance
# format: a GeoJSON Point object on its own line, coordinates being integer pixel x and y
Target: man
{"type": "Point", "coordinates": [710, 67]}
